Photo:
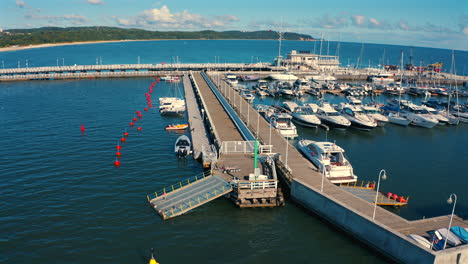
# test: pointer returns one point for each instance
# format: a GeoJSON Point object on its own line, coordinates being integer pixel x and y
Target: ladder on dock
{"type": "Point", "coordinates": [180, 198]}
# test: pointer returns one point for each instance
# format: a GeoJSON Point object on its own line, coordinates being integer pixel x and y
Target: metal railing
{"type": "Point", "coordinates": [257, 184]}
{"type": "Point", "coordinates": [178, 185]}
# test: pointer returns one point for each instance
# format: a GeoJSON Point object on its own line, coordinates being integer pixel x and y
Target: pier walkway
{"type": "Point", "coordinates": [305, 181]}
{"type": "Point", "coordinates": [202, 149]}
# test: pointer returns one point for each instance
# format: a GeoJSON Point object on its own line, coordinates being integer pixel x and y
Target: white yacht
{"type": "Point", "coordinates": [290, 106]}
{"type": "Point", "coordinates": [357, 117]}
{"type": "Point", "coordinates": [329, 157]}
{"type": "Point", "coordinates": [231, 79]}
{"type": "Point", "coordinates": [169, 78]}
{"type": "Point", "coordinates": [304, 115]}
{"type": "Point", "coordinates": [247, 95]}
{"type": "Point", "coordinates": [261, 92]}
{"type": "Point", "coordinates": [382, 78]}
{"type": "Point", "coordinates": [283, 77]}
{"type": "Point", "coordinates": [285, 89]}
{"type": "Point", "coordinates": [396, 119]}
{"type": "Point", "coordinates": [443, 120]}
{"type": "Point", "coordinates": [323, 77]}
{"type": "Point", "coordinates": [417, 115]}
{"type": "Point", "coordinates": [374, 113]}
{"type": "Point", "coordinates": [329, 116]}
{"type": "Point", "coordinates": [301, 84]}
{"type": "Point", "coordinates": [261, 84]}
{"type": "Point", "coordinates": [283, 122]}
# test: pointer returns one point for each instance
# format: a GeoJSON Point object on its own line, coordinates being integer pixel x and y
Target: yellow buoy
{"type": "Point", "coordinates": [152, 260]}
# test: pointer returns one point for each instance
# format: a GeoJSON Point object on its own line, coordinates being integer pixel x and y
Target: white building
{"type": "Point", "coordinates": [312, 61]}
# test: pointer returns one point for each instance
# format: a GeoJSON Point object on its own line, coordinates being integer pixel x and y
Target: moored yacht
{"type": "Point", "coordinates": [247, 95]}
{"type": "Point", "coordinates": [373, 112]}
{"type": "Point", "coordinates": [443, 120]}
{"type": "Point", "coordinates": [358, 118]}
{"type": "Point", "coordinates": [304, 115]}
{"type": "Point", "coordinates": [290, 106]}
{"type": "Point", "coordinates": [330, 116]}
{"type": "Point", "coordinates": [417, 115]}
{"type": "Point", "coordinates": [283, 123]}
{"type": "Point", "coordinates": [330, 158]}
{"type": "Point", "coordinates": [283, 77]}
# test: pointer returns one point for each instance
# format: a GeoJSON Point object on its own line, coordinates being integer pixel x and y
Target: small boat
{"type": "Point", "coordinates": [436, 239]}
{"type": "Point", "coordinates": [282, 122]}
{"type": "Point", "coordinates": [283, 77]}
{"type": "Point", "coordinates": [452, 239]}
{"type": "Point", "coordinates": [396, 119]}
{"type": "Point", "coordinates": [357, 117]}
{"type": "Point", "coordinates": [169, 78]}
{"type": "Point", "coordinates": [329, 157]}
{"type": "Point", "coordinates": [176, 127]}
{"type": "Point", "coordinates": [304, 115]}
{"type": "Point", "coordinates": [374, 113]}
{"type": "Point", "coordinates": [329, 116]}
{"type": "Point", "coordinates": [247, 95]}
{"type": "Point", "coordinates": [421, 240]}
{"type": "Point", "coordinates": [461, 233]}
{"type": "Point", "coordinates": [231, 78]}
{"type": "Point", "coordinates": [183, 146]}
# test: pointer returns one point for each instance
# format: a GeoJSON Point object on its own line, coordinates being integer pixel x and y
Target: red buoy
{"type": "Point", "coordinates": [138, 112]}
{"type": "Point", "coordinates": [140, 116]}
{"type": "Point", "coordinates": [146, 109]}
{"type": "Point", "coordinates": [131, 124]}
{"type": "Point", "coordinates": [118, 147]}
{"type": "Point", "coordinates": [372, 185]}
{"type": "Point", "coordinates": [125, 134]}
{"type": "Point", "coordinates": [117, 163]}
{"type": "Point", "coordinates": [82, 128]}
{"type": "Point", "coordinates": [139, 128]}
{"type": "Point", "coordinates": [117, 153]}
{"type": "Point", "coordinates": [123, 139]}
{"type": "Point", "coordinates": [135, 119]}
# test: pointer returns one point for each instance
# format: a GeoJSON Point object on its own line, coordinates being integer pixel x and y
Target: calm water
{"type": "Point", "coordinates": [63, 199]}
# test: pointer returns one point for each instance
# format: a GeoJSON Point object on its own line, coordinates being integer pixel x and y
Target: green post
{"type": "Point", "coordinates": [256, 169]}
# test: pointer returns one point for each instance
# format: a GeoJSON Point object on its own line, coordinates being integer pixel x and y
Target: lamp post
{"type": "Point", "coordinates": [383, 175]}
{"type": "Point", "coordinates": [269, 141]}
{"type": "Point", "coordinates": [323, 178]}
{"type": "Point", "coordinates": [449, 201]}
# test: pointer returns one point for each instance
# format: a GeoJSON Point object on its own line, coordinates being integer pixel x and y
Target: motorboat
{"type": "Point", "coordinates": [417, 115]}
{"type": "Point", "coordinates": [231, 79]}
{"type": "Point", "coordinates": [395, 118]}
{"type": "Point", "coordinates": [183, 146]}
{"type": "Point", "coordinates": [283, 77]}
{"type": "Point", "coordinates": [421, 240]}
{"type": "Point", "coordinates": [261, 84]}
{"type": "Point", "coordinates": [247, 95]}
{"type": "Point", "coordinates": [442, 119]}
{"type": "Point", "coordinates": [452, 239]}
{"type": "Point", "coordinates": [357, 117]}
{"type": "Point", "coordinates": [290, 106]}
{"type": "Point", "coordinates": [249, 78]}
{"type": "Point", "coordinates": [285, 89]}
{"type": "Point", "coordinates": [329, 116]}
{"type": "Point", "coordinates": [169, 78]}
{"type": "Point", "coordinates": [382, 78]}
{"type": "Point", "coordinates": [374, 113]}
{"type": "Point", "coordinates": [328, 157]}
{"type": "Point", "coordinates": [301, 84]}
{"type": "Point", "coordinates": [261, 92]}
{"type": "Point", "coordinates": [171, 106]}
{"type": "Point", "coordinates": [341, 86]}
{"type": "Point", "coordinates": [304, 115]}
{"type": "Point", "coordinates": [323, 77]}
{"type": "Point", "coordinates": [176, 127]}
{"type": "Point", "coordinates": [283, 123]}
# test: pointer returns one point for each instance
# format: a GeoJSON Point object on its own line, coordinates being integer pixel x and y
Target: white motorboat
{"type": "Point", "coordinates": [183, 146]}
{"type": "Point", "coordinates": [231, 79]}
{"type": "Point", "coordinates": [417, 115]}
{"type": "Point", "coordinates": [323, 77]}
{"type": "Point", "coordinates": [283, 123]}
{"type": "Point", "coordinates": [304, 115]}
{"type": "Point", "coordinates": [396, 119]}
{"type": "Point", "coordinates": [283, 77]}
{"type": "Point", "coordinates": [261, 92]}
{"type": "Point", "coordinates": [374, 113]}
{"type": "Point", "coordinates": [341, 86]}
{"type": "Point", "coordinates": [329, 157]}
{"type": "Point", "coordinates": [285, 89]}
{"type": "Point", "coordinates": [290, 106]}
{"type": "Point", "coordinates": [171, 106]}
{"type": "Point", "coordinates": [329, 116]}
{"type": "Point", "coordinates": [442, 119]}
{"type": "Point", "coordinates": [460, 114]}
{"type": "Point", "coordinates": [421, 240]}
{"type": "Point", "coordinates": [169, 78]}
{"type": "Point", "coordinates": [247, 95]}
{"type": "Point", "coordinates": [301, 84]}
{"type": "Point", "coordinates": [358, 118]}
{"type": "Point", "coordinates": [261, 84]}
{"type": "Point", "coordinates": [382, 78]}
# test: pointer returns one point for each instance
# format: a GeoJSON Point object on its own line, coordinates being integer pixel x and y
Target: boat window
{"type": "Point", "coordinates": [183, 143]}
{"type": "Point", "coordinates": [333, 114]}
{"type": "Point", "coordinates": [349, 111]}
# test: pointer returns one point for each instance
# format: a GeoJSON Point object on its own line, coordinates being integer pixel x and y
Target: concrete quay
{"type": "Point", "coordinates": [387, 233]}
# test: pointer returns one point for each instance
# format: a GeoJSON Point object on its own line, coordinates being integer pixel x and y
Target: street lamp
{"type": "Point", "coordinates": [383, 175]}
{"type": "Point", "coordinates": [323, 178]}
{"type": "Point", "coordinates": [450, 201]}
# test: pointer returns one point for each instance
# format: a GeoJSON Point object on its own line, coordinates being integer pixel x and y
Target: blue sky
{"type": "Point", "coordinates": [429, 23]}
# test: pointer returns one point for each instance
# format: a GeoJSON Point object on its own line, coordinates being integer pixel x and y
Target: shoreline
{"type": "Point", "coordinates": [48, 45]}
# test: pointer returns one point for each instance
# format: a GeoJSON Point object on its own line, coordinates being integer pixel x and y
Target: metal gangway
{"type": "Point", "coordinates": [184, 196]}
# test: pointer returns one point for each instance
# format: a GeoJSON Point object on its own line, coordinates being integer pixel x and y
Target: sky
{"type": "Point", "coordinates": [426, 23]}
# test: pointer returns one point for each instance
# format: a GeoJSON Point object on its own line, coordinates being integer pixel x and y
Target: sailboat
{"type": "Point", "coordinates": [395, 118]}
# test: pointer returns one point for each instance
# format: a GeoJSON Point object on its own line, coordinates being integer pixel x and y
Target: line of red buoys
{"type": "Point", "coordinates": [134, 120]}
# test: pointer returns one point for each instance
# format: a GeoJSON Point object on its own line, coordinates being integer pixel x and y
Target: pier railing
{"type": "Point", "coordinates": [178, 185]}
{"type": "Point", "coordinates": [257, 184]}
{"type": "Point", "coordinates": [243, 147]}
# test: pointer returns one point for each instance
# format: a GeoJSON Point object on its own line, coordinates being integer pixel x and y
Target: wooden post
{"type": "Point", "coordinates": [156, 194]}
{"type": "Point", "coordinates": [180, 184]}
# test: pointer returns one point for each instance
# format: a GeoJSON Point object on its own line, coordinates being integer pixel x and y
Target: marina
{"type": "Point", "coordinates": [223, 126]}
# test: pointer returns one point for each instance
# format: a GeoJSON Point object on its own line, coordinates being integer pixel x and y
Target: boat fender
{"type": "Point", "coordinates": [394, 197]}
{"type": "Point", "coordinates": [389, 195]}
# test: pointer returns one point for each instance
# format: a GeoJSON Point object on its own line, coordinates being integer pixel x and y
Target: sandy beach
{"type": "Point", "coordinates": [13, 48]}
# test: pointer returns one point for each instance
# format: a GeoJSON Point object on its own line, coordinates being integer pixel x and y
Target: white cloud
{"type": "Point", "coordinates": [164, 18]}
{"type": "Point", "coordinates": [403, 25]}
{"type": "Point", "coordinates": [374, 22]}
{"type": "Point", "coordinates": [20, 4]}
{"type": "Point", "coordinates": [358, 20]}
{"type": "Point", "coordinates": [465, 30]}
{"type": "Point", "coordinates": [95, 2]}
